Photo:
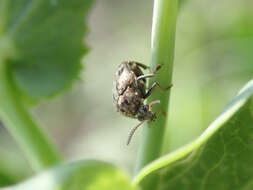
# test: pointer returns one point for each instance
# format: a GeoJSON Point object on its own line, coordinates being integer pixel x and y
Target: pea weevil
{"type": "Point", "coordinates": [129, 93]}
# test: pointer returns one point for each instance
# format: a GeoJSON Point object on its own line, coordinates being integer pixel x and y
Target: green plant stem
{"type": "Point", "coordinates": [40, 153]}
{"type": "Point", "coordinates": [162, 53]}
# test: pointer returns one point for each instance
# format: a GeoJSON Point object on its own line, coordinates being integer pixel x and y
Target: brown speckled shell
{"type": "Point", "coordinates": [127, 92]}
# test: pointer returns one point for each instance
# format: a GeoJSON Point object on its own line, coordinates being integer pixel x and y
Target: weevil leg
{"type": "Point", "coordinates": [158, 68]}
{"type": "Point", "coordinates": [151, 74]}
{"type": "Point", "coordinates": [156, 84]}
{"type": "Point", "coordinates": [145, 76]}
{"type": "Point", "coordinates": [142, 65]}
{"type": "Point", "coordinates": [152, 104]}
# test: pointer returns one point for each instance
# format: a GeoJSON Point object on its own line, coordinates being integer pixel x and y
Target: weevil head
{"type": "Point", "coordinates": [145, 114]}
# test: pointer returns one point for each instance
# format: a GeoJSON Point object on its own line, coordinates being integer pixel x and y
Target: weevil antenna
{"type": "Point", "coordinates": [133, 131]}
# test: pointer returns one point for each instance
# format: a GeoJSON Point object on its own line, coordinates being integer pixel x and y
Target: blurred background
{"type": "Point", "coordinates": [213, 60]}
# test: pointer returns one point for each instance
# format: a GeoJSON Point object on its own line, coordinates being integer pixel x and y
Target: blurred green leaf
{"type": "Point", "coordinates": [43, 40]}
{"type": "Point", "coordinates": [81, 175]}
{"type": "Point", "coordinates": [213, 59]}
{"type": "Point", "coordinates": [41, 46]}
{"type": "Point", "coordinates": [12, 170]}
{"type": "Point", "coordinates": [5, 179]}
{"type": "Point", "coordinates": [221, 158]}
{"type": "Point", "coordinates": [9, 175]}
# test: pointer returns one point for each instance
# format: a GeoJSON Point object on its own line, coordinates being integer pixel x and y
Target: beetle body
{"type": "Point", "coordinates": [129, 92]}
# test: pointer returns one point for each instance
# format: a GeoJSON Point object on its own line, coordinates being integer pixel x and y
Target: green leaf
{"type": "Point", "coordinates": [221, 158]}
{"type": "Point", "coordinates": [82, 175]}
{"type": "Point", "coordinates": [41, 45]}
{"type": "Point", "coordinates": [12, 170]}
{"type": "Point", "coordinates": [5, 179]}
{"type": "Point", "coordinates": [43, 40]}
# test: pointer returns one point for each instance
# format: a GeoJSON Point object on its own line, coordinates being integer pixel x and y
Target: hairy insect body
{"type": "Point", "coordinates": [129, 92]}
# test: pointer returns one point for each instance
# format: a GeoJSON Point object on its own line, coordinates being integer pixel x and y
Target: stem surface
{"type": "Point", "coordinates": [162, 53]}
{"type": "Point", "coordinates": [40, 153]}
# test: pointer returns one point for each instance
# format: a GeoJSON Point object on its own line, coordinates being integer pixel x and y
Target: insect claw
{"type": "Point", "coordinates": [158, 68]}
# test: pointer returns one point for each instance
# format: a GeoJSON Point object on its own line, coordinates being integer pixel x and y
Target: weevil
{"type": "Point", "coordinates": [130, 91]}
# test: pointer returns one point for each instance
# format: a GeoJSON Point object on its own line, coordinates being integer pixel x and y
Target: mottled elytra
{"type": "Point", "coordinates": [130, 91]}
